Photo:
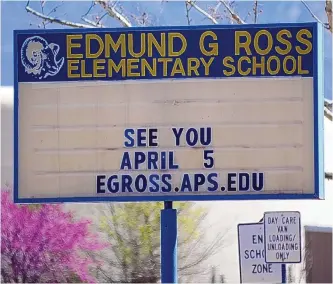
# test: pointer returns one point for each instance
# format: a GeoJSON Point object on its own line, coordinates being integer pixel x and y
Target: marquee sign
{"type": "Point", "coordinates": [169, 113]}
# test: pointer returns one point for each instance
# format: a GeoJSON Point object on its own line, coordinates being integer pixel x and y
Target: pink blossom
{"type": "Point", "coordinates": [44, 244]}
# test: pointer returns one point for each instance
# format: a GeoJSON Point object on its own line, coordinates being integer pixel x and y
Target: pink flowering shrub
{"type": "Point", "coordinates": [44, 244]}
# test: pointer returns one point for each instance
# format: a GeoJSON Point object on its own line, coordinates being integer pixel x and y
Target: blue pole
{"type": "Point", "coordinates": [168, 243]}
{"type": "Point", "coordinates": [284, 273]}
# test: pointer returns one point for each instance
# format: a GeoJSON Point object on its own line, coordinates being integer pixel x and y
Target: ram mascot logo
{"type": "Point", "coordinates": [39, 58]}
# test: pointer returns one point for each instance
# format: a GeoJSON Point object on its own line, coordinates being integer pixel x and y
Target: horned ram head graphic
{"type": "Point", "coordinates": [39, 58]}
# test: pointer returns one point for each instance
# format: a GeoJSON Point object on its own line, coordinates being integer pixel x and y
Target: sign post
{"type": "Point", "coordinates": [168, 114]}
{"type": "Point", "coordinates": [168, 243]}
{"type": "Point", "coordinates": [282, 235]}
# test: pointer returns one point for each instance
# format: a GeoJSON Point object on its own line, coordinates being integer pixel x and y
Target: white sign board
{"type": "Point", "coordinates": [145, 139]}
{"type": "Point", "coordinates": [253, 268]}
{"type": "Point", "coordinates": [282, 237]}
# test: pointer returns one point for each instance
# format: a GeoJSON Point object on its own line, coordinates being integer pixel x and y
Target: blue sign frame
{"type": "Point", "coordinates": [318, 107]}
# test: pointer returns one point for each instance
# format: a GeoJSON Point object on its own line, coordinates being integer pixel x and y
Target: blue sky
{"type": "Point", "coordinates": [14, 16]}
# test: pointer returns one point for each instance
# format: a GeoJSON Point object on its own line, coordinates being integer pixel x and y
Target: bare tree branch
{"type": "Point", "coordinates": [326, 25]}
{"type": "Point", "coordinates": [195, 6]}
{"type": "Point", "coordinates": [101, 18]}
{"type": "Point", "coordinates": [55, 20]}
{"type": "Point", "coordinates": [214, 11]}
{"type": "Point", "coordinates": [328, 113]}
{"type": "Point", "coordinates": [233, 14]}
{"type": "Point", "coordinates": [328, 104]}
{"type": "Point", "coordinates": [92, 23]}
{"type": "Point", "coordinates": [142, 20]}
{"type": "Point", "coordinates": [88, 11]}
{"type": "Point", "coordinates": [113, 13]}
{"type": "Point", "coordinates": [312, 14]}
{"type": "Point", "coordinates": [188, 9]}
{"type": "Point", "coordinates": [110, 10]}
{"type": "Point", "coordinates": [255, 11]}
{"type": "Point", "coordinates": [42, 3]}
{"type": "Point", "coordinates": [54, 9]}
{"type": "Point", "coordinates": [328, 109]}
{"type": "Point", "coordinates": [328, 10]}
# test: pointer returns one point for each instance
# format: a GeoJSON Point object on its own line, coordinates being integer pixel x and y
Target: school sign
{"type": "Point", "coordinates": [169, 113]}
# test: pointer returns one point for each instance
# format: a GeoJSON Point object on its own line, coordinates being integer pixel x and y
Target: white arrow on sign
{"type": "Point", "coordinates": [252, 265]}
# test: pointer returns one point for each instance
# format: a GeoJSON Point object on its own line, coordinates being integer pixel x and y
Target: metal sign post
{"type": "Point", "coordinates": [284, 273]}
{"type": "Point", "coordinates": [168, 243]}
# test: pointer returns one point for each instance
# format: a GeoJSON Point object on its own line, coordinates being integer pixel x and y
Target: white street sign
{"type": "Point", "coordinates": [252, 266]}
{"type": "Point", "coordinates": [282, 237]}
